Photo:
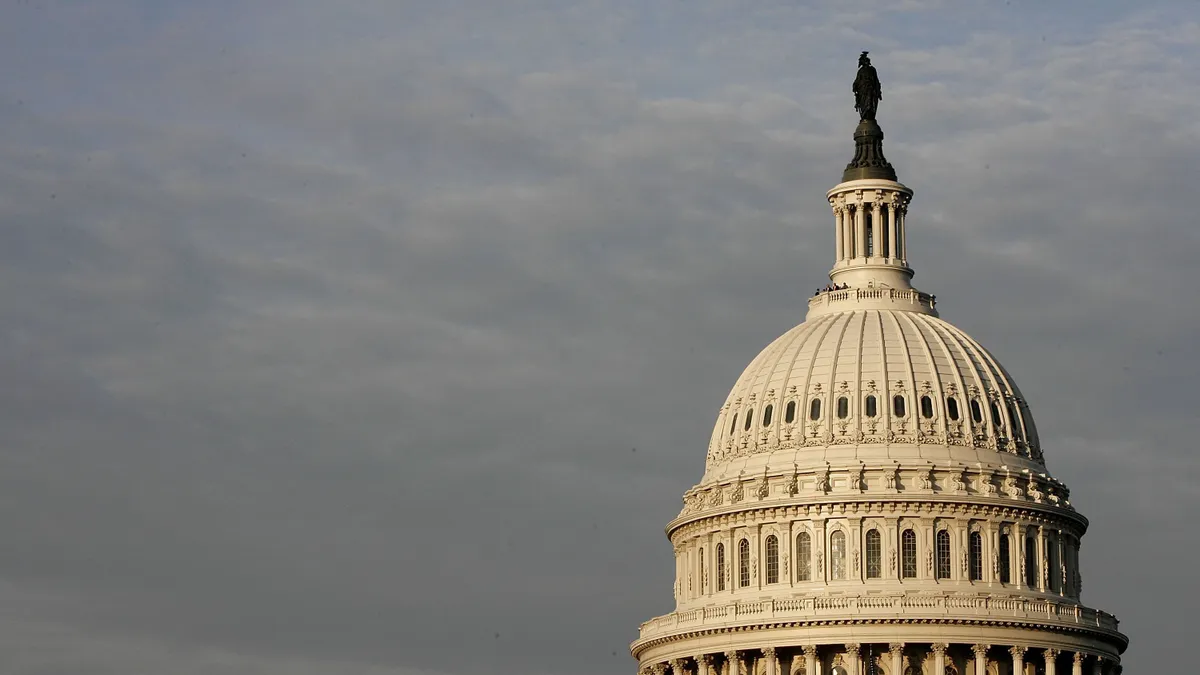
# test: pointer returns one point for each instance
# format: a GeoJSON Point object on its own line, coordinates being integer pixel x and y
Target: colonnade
{"type": "Point", "coordinates": [889, 659]}
{"type": "Point", "coordinates": [870, 229]}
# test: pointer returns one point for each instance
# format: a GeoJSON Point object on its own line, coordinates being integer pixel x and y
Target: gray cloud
{"type": "Point", "coordinates": [385, 340]}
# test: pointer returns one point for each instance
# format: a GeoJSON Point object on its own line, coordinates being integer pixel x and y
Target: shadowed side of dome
{"type": "Point", "coordinates": [869, 380]}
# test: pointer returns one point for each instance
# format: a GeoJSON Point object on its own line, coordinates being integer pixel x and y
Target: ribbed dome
{"type": "Point", "coordinates": [871, 384]}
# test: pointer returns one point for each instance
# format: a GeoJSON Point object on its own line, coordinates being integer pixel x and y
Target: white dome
{"type": "Point", "coordinates": [872, 384]}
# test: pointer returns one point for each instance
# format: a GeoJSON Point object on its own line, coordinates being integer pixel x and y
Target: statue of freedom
{"type": "Point", "coordinates": [867, 90]}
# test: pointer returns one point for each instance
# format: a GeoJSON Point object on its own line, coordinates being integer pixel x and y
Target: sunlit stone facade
{"type": "Point", "coordinates": [875, 499]}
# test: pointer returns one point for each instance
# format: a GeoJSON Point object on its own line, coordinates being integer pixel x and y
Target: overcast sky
{"type": "Point", "coordinates": [381, 337]}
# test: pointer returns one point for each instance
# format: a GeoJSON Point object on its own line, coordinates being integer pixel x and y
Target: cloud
{"type": "Point", "coordinates": [387, 338]}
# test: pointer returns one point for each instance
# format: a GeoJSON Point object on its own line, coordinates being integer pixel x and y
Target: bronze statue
{"type": "Point", "coordinates": [867, 90]}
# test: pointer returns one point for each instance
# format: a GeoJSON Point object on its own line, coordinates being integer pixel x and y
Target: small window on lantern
{"type": "Point", "coordinates": [872, 406]}
{"type": "Point", "coordinates": [767, 415]}
{"type": "Point", "coordinates": [976, 411]}
{"type": "Point", "coordinates": [952, 408]}
{"type": "Point", "coordinates": [814, 410]}
{"type": "Point", "coordinates": [926, 407]}
{"type": "Point", "coordinates": [749, 420]}
{"type": "Point", "coordinates": [898, 406]}
{"type": "Point", "coordinates": [843, 407]}
{"type": "Point", "coordinates": [789, 413]}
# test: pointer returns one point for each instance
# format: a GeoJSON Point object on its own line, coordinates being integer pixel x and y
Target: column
{"type": "Point", "coordinates": [731, 658]}
{"type": "Point", "coordinates": [877, 230]}
{"type": "Point", "coordinates": [939, 658]}
{"type": "Point", "coordinates": [1018, 659]}
{"type": "Point", "coordinates": [852, 658]}
{"type": "Point", "coordinates": [1043, 563]}
{"type": "Point", "coordinates": [677, 667]}
{"type": "Point", "coordinates": [892, 245]}
{"type": "Point", "coordinates": [902, 231]}
{"type": "Point", "coordinates": [839, 214]}
{"type": "Point", "coordinates": [810, 660]}
{"type": "Point", "coordinates": [703, 664]}
{"type": "Point", "coordinates": [981, 658]}
{"type": "Point", "coordinates": [1077, 664]}
{"type": "Point", "coordinates": [860, 226]}
{"type": "Point", "coordinates": [848, 231]}
{"type": "Point", "coordinates": [769, 655]}
{"type": "Point", "coordinates": [1050, 655]}
{"type": "Point", "coordinates": [896, 650]}
{"type": "Point", "coordinates": [658, 668]}
{"type": "Point", "coordinates": [1018, 545]}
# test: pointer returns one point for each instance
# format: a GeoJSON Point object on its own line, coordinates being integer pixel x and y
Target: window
{"type": "Point", "coordinates": [976, 412]}
{"type": "Point", "coordinates": [1014, 421]}
{"type": "Point", "coordinates": [883, 231]}
{"type": "Point", "coordinates": [803, 557]}
{"type": "Point", "coordinates": [874, 555]}
{"type": "Point", "coordinates": [872, 407]}
{"type": "Point", "coordinates": [720, 567]}
{"type": "Point", "coordinates": [975, 552]}
{"type": "Point", "coordinates": [908, 553]}
{"type": "Point", "coordinates": [743, 563]}
{"type": "Point", "coordinates": [943, 554]}
{"type": "Point", "coordinates": [952, 408]}
{"type": "Point", "coordinates": [898, 406]}
{"type": "Point", "coordinates": [700, 551]}
{"type": "Point", "coordinates": [767, 415]}
{"type": "Point", "coordinates": [837, 555]}
{"type": "Point", "coordinates": [1031, 571]}
{"type": "Point", "coordinates": [1054, 571]}
{"type": "Point", "coordinates": [814, 410]}
{"type": "Point", "coordinates": [1005, 557]}
{"type": "Point", "coordinates": [869, 221]}
{"type": "Point", "coordinates": [843, 407]}
{"type": "Point", "coordinates": [789, 413]}
{"type": "Point", "coordinates": [733, 424]}
{"type": "Point", "coordinates": [772, 559]}
{"type": "Point", "coordinates": [749, 419]}
{"type": "Point", "coordinates": [996, 422]}
{"type": "Point", "coordinates": [926, 407]}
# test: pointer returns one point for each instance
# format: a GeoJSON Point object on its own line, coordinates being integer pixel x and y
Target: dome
{"type": "Point", "coordinates": [872, 384]}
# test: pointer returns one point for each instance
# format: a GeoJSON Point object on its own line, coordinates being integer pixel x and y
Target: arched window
{"type": "Point", "coordinates": [1031, 570]}
{"type": "Point", "coordinates": [789, 413]}
{"type": "Point", "coordinates": [874, 554]}
{"type": "Point", "coordinates": [976, 411]}
{"type": "Point", "coordinates": [1055, 570]}
{"type": "Point", "coordinates": [975, 553]}
{"type": "Point", "coordinates": [1014, 421]}
{"type": "Point", "coordinates": [908, 554]}
{"type": "Point", "coordinates": [772, 559]}
{"type": "Point", "coordinates": [743, 563]}
{"type": "Point", "coordinates": [943, 554]}
{"type": "Point", "coordinates": [733, 424]}
{"type": "Point", "coordinates": [1005, 557]}
{"type": "Point", "coordinates": [749, 419]}
{"type": "Point", "coordinates": [720, 567]}
{"type": "Point", "coordinates": [803, 557]}
{"type": "Point", "coordinates": [898, 406]}
{"type": "Point", "coordinates": [843, 407]}
{"type": "Point", "coordinates": [767, 414]}
{"type": "Point", "coordinates": [926, 407]}
{"type": "Point", "coordinates": [872, 407]}
{"type": "Point", "coordinates": [952, 408]}
{"type": "Point", "coordinates": [814, 410]}
{"type": "Point", "coordinates": [700, 552]}
{"type": "Point", "coordinates": [837, 555]}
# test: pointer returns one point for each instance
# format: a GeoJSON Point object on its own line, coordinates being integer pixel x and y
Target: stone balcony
{"type": "Point", "coordinates": [871, 298]}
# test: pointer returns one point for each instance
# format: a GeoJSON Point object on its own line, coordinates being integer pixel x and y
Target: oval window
{"type": "Point", "coordinates": [814, 409]}
{"type": "Point", "coordinates": [976, 413]}
{"type": "Point", "coordinates": [1014, 421]}
{"type": "Point", "coordinates": [767, 414]}
{"type": "Point", "coordinates": [749, 419]}
{"type": "Point", "coordinates": [898, 406]}
{"type": "Point", "coordinates": [926, 407]}
{"type": "Point", "coordinates": [952, 408]}
{"type": "Point", "coordinates": [843, 407]}
{"type": "Point", "coordinates": [789, 413]}
{"type": "Point", "coordinates": [872, 407]}
{"type": "Point", "coordinates": [733, 424]}
{"type": "Point", "coordinates": [996, 415]}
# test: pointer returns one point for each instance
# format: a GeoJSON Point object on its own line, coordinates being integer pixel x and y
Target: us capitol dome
{"type": "Point", "coordinates": [875, 499]}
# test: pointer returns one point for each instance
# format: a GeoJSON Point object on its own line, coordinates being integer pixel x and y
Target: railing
{"type": "Point", "coordinates": [917, 605]}
{"type": "Point", "coordinates": [903, 295]}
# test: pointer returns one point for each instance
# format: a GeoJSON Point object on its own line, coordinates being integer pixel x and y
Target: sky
{"type": "Point", "coordinates": [381, 337]}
